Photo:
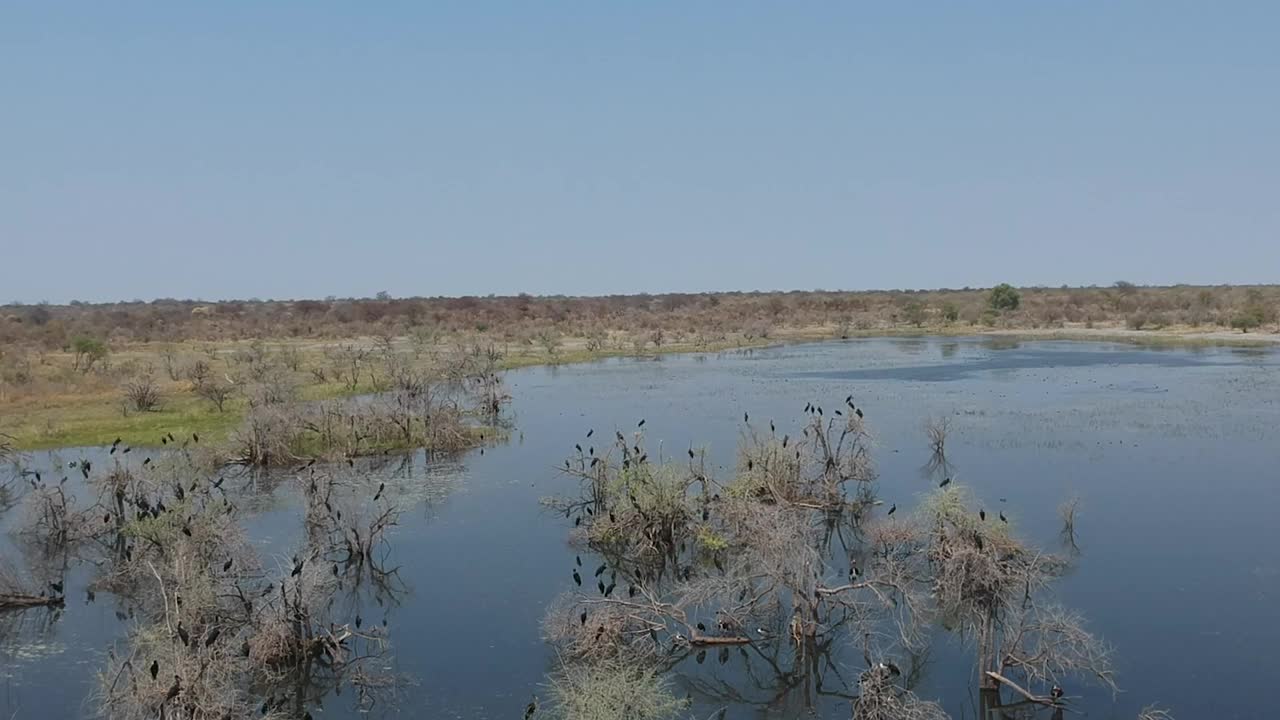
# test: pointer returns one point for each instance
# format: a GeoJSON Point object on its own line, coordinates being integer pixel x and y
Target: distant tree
{"type": "Point", "coordinates": [915, 313]}
{"type": "Point", "coordinates": [1124, 287]}
{"type": "Point", "coordinates": [39, 314]}
{"type": "Point", "coordinates": [950, 312]}
{"type": "Point", "coordinates": [1004, 297]}
{"type": "Point", "coordinates": [215, 392]}
{"type": "Point", "coordinates": [88, 352]}
{"type": "Point", "coordinates": [1248, 319]}
{"type": "Point", "coordinates": [383, 295]}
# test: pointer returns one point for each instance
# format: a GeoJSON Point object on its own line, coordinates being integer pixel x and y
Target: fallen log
{"type": "Point", "coordinates": [19, 601]}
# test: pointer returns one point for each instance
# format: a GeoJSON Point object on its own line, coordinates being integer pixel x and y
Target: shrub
{"type": "Point", "coordinates": [1004, 297]}
{"type": "Point", "coordinates": [914, 313]}
{"type": "Point", "coordinates": [142, 394]}
{"type": "Point", "coordinates": [1249, 319]}
{"type": "Point", "coordinates": [950, 312]}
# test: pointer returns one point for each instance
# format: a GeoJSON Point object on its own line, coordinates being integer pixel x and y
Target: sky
{"type": "Point", "coordinates": [305, 149]}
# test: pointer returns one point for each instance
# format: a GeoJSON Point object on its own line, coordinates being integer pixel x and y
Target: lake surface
{"type": "Point", "coordinates": [1173, 453]}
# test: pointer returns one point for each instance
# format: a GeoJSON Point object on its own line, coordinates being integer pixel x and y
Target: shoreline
{"type": "Point", "coordinates": [88, 419]}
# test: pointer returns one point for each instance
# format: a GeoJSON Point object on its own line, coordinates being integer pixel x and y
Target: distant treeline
{"type": "Point", "coordinates": [522, 317]}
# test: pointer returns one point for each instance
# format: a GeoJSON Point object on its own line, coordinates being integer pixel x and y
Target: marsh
{"type": "Point", "coordinates": [1170, 452]}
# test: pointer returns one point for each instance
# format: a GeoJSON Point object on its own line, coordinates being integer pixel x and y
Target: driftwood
{"type": "Point", "coordinates": [719, 640]}
{"type": "Point", "coordinates": [1038, 699]}
{"type": "Point", "coordinates": [19, 601]}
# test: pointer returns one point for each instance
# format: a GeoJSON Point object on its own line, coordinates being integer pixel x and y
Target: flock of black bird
{"type": "Point", "coordinates": [888, 667]}
{"type": "Point", "coordinates": [144, 507]}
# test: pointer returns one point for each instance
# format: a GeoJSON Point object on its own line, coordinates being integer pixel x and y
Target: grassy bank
{"type": "Point", "coordinates": [59, 405]}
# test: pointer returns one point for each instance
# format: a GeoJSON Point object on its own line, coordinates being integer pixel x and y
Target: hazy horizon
{"type": "Point", "coordinates": [301, 150]}
{"type": "Point", "coordinates": [390, 296]}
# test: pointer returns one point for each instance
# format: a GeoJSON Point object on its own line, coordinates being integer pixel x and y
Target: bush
{"type": "Point", "coordinates": [88, 351]}
{"type": "Point", "coordinates": [1249, 319]}
{"type": "Point", "coordinates": [1004, 297]}
{"type": "Point", "coordinates": [142, 394]}
{"type": "Point", "coordinates": [914, 313]}
{"type": "Point", "coordinates": [950, 312]}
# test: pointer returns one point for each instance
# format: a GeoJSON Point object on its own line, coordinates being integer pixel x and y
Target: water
{"type": "Point", "coordinates": [1171, 452]}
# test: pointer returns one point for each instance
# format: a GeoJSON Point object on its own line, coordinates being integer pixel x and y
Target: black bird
{"type": "Point", "coordinates": [163, 441]}
{"type": "Point", "coordinates": [531, 708]}
{"type": "Point", "coordinates": [982, 515]}
{"type": "Point", "coordinates": [297, 568]}
{"type": "Point", "coordinates": [381, 487]}
{"type": "Point", "coordinates": [155, 669]}
{"type": "Point", "coordinates": [147, 461]}
{"type": "Point", "coordinates": [706, 514]}
{"type": "Point", "coordinates": [601, 569]}
{"type": "Point", "coordinates": [594, 461]}
{"type": "Point", "coordinates": [631, 591]}
{"type": "Point", "coordinates": [583, 617]}
{"type": "Point", "coordinates": [945, 482]}
{"type": "Point", "coordinates": [690, 453]}
{"type": "Point", "coordinates": [890, 667]}
{"type": "Point", "coordinates": [591, 432]}
{"type": "Point", "coordinates": [848, 399]}
{"type": "Point", "coordinates": [858, 412]}
{"type": "Point", "coordinates": [577, 521]}
{"type": "Point", "coordinates": [227, 565]}
{"type": "Point", "coordinates": [600, 585]}
{"type": "Point", "coordinates": [213, 636]}
{"type": "Point", "coordinates": [113, 450]}
{"type": "Point", "coordinates": [106, 518]}
{"type": "Point", "coordinates": [183, 635]}
{"type": "Point", "coordinates": [358, 621]}
{"type": "Point", "coordinates": [89, 596]}
{"type": "Point", "coordinates": [126, 451]}
{"type": "Point", "coordinates": [195, 437]}
{"type": "Point", "coordinates": [893, 508]}
{"type": "Point", "coordinates": [578, 559]}
{"type": "Point", "coordinates": [1003, 519]}
{"type": "Point", "coordinates": [173, 689]}
{"type": "Point", "coordinates": [56, 587]}
{"type": "Point", "coordinates": [578, 448]}
{"type": "Point", "coordinates": [1055, 693]}
{"type": "Point", "coordinates": [641, 423]}
{"type": "Point", "coordinates": [609, 590]}
{"type": "Point", "coordinates": [577, 579]}
{"type": "Point", "coordinates": [702, 628]}
{"type": "Point", "coordinates": [806, 407]}
{"type": "Point", "coordinates": [186, 530]}
{"type": "Point", "coordinates": [745, 418]}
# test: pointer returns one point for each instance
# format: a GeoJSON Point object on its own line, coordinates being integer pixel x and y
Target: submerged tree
{"type": "Point", "coordinates": [794, 555]}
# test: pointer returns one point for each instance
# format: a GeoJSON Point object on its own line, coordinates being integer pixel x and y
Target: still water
{"type": "Point", "coordinates": [1172, 452]}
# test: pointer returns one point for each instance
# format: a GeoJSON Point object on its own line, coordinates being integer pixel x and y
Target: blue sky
{"type": "Point", "coordinates": [278, 149]}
